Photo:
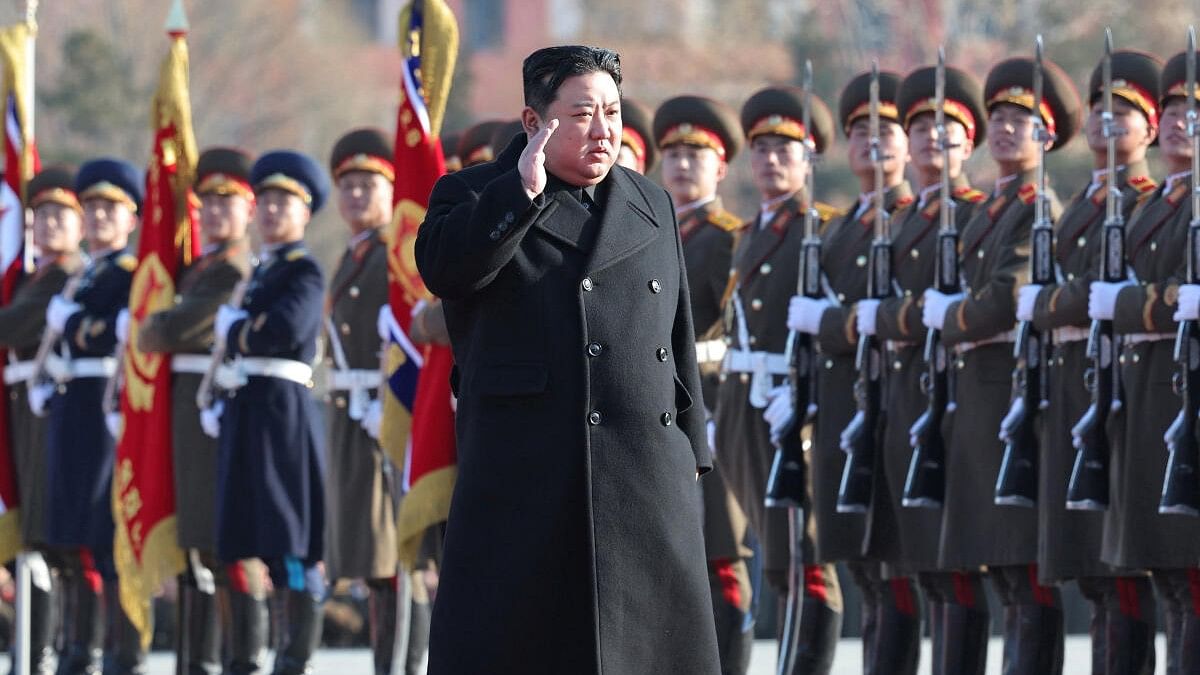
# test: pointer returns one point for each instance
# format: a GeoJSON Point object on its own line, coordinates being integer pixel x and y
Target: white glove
{"type": "Point", "coordinates": [227, 315]}
{"type": "Point", "coordinates": [39, 396]}
{"type": "Point", "coordinates": [936, 304]}
{"type": "Point", "coordinates": [122, 327]}
{"type": "Point", "coordinates": [778, 412]}
{"type": "Point", "coordinates": [210, 419]}
{"type": "Point", "coordinates": [112, 420]}
{"type": "Point", "coordinates": [1188, 308]}
{"type": "Point", "coordinates": [372, 421]}
{"type": "Point", "coordinates": [867, 311]}
{"type": "Point", "coordinates": [1102, 299]}
{"type": "Point", "coordinates": [59, 311]}
{"type": "Point", "coordinates": [1026, 299]}
{"type": "Point", "coordinates": [804, 314]}
{"type": "Point", "coordinates": [710, 429]}
{"type": "Point", "coordinates": [383, 323]}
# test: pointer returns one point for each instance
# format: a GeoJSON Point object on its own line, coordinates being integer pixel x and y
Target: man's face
{"type": "Point", "coordinates": [584, 147]}
{"type": "Point", "coordinates": [224, 217]}
{"type": "Point", "coordinates": [1138, 134]}
{"type": "Point", "coordinates": [1010, 136]}
{"type": "Point", "coordinates": [1174, 142]}
{"type": "Point", "coordinates": [364, 199]}
{"type": "Point", "coordinates": [893, 145]}
{"type": "Point", "coordinates": [57, 229]}
{"type": "Point", "coordinates": [629, 160]}
{"type": "Point", "coordinates": [691, 172]}
{"type": "Point", "coordinates": [281, 216]}
{"type": "Point", "coordinates": [923, 144]}
{"type": "Point", "coordinates": [778, 164]}
{"type": "Point", "coordinates": [107, 223]}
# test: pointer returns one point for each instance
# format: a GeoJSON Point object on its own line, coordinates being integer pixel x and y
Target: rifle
{"type": "Point", "coordinates": [1088, 489]}
{"type": "Point", "coordinates": [1016, 484]}
{"type": "Point", "coordinates": [860, 435]}
{"type": "Point", "coordinates": [51, 336]}
{"type": "Point", "coordinates": [1181, 485]}
{"type": "Point", "coordinates": [787, 482]}
{"type": "Point", "coordinates": [925, 485]}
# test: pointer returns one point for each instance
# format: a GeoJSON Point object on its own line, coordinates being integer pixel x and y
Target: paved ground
{"type": "Point", "coordinates": [849, 660]}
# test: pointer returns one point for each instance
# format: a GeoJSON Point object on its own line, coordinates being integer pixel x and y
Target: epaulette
{"type": "Point", "coordinates": [1028, 193]}
{"type": "Point", "coordinates": [1143, 184]}
{"type": "Point", "coordinates": [295, 254]}
{"type": "Point", "coordinates": [127, 262]}
{"type": "Point", "coordinates": [969, 194]}
{"type": "Point", "coordinates": [828, 211]}
{"type": "Point", "coordinates": [724, 220]}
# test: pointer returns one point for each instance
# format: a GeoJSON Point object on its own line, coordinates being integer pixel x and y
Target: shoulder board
{"type": "Point", "coordinates": [902, 202]}
{"type": "Point", "coordinates": [724, 220]}
{"type": "Point", "coordinates": [1143, 184]}
{"type": "Point", "coordinates": [829, 212]}
{"type": "Point", "coordinates": [127, 262]}
{"type": "Point", "coordinates": [295, 254]}
{"type": "Point", "coordinates": [1145, 196]}
{"type": "Point", "coordinates": [970, 194]}
{"type": "Point", "coordinates": [1028, 193]}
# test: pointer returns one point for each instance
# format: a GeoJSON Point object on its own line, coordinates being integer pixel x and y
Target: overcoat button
{"type": "Point", "coordinates": [509, 217]}
{"type": "Point", "coordinates": [666, 419]}
{"type": "Point", "coordinates": [594, 418]}
{"type": "Point", "coordinates": [502, 227]}
{"type": "Point", "coordinates": [829, 364]}
{"type": "Point", "coordinates": [861, 261]}
{"type": "Point", "coordinates": [662, 353]}
{"type": "Point", "coordinates": [756, 304]}
{"type": "Point", "coordinates": [655, 286]}
{"type": "Point", "coordinates": [345, 328]}
{"type": "Point", "coordinates": [765, 269]}
{"type": "Point", "coordinates": [979, 254]}
{"type": "Point", "coordinates": [744, 378]}
{"type": "Point", "coordinates": [494, 235]}
{"type": "Point", "coordinates": [587, 283]}
{"type": "Point", "coordinates": [340, 402]}
{"type": "Point", "coordinates": [354, 291]}
{"type": "Point", "coordinates": [594, 349]}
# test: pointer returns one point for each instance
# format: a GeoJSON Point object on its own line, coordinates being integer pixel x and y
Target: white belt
{"type": "Point", "coordinates": [196, 364]}
{"type": "Point", "coordinates": [710, 351]}
{"type": "Point", "coordinates": [19, 371]}
{"type": "Point", "coordinates": [1007, 336]}
{"type": "Point", "coordinates": [1135, 338]}
{"type": "Point", "coordinates": [742, 361]}
{"type": "Point", "coordinates": [92, 367]}
{"type": "Point", "coordinates": [897, 345]}
{"type": "Point", "coordinates": [354, 378]}
{"type": "Point", "coordinates": [1070, 334]}
{"type": "Point", "coordinates": [283, 369]}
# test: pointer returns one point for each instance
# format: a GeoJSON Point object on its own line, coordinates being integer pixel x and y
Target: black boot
{"type": "Point", "coordinates": [418, 636]}
{"type": "Point", "coordinates": [820, 628]}
{"type": "Point", "coordinates": [1129, 646]}
{"type": "Point", "coordinates": [382, 607]}
{"type": "Point", "coordinates": [200, 631]}
{"type": "Point", "coordinates": [123, 654]}
{"type": "Point", "coordinates": [302, 633]}
{"type": "Point", "coordinates": [897, 639]}
{"type": "Point", "coordinates": [249, 631]}
{"type": "Point", "coordinates": [84, 628]}
{"type": "Point", "coordinates": [1033, 640]}
{"type": "Point", "coordinates": [964, 641]}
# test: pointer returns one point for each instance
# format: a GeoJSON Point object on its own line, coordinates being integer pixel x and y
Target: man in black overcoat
{"type": "Point", "coordinates": [574, 539]}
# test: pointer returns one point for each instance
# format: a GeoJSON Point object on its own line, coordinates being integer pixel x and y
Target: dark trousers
{"type": "Point", "coordinates": [1033, 621]}
{"type": "Point", "coordinates": [891, 621]}
{"type": "Point", "coordinates": [959, 621]}
{"type": "Point", "coordinates": [1179, 592]}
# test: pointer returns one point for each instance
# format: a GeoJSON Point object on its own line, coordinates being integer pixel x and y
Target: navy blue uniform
{"type": "Point", "coordinates": [80, 450]}
{"type": "Point", "coordinates": [271, 467]}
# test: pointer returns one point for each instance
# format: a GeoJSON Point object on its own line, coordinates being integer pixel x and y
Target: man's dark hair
{"type": "Point", "coordinates": [546, 69]}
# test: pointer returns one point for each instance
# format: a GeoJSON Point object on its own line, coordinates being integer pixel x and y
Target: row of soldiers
{"type": "Point", "coordinates": [1127, 560]}
{"type": "Point", "coordinates": [270, 493]}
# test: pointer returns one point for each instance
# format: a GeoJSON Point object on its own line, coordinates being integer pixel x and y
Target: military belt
{"type": "Point", "coordinates": [710, 351]}
{"type": "Point", "coordinates": [354, 378]}
{"type": "Point", "coordinates": [19, 371]}
{"type": "Point", "coordinates": [283, 369]}
{"type": "Point", "coordinates": [63, 370]}
{"type": "Point", "coordinates": [196, 364]}
{"type": "Point", "coordinates": [999, 338]}
{"type": "Point", "coordinates": [1070, 334]}
{"type": "Point", "coordinates": [1135, 338]}
{"type": "Point", "coordinates": [742, 361]}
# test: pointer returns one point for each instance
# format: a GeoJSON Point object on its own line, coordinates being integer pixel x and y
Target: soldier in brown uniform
{"type": "Point", "coordinates": [362, 487]}
{"type": "Point", "coordinates": [994, 251]}
{"type": "Point", "coordinates": [450, 150]}
{"type": "Point", "coordinates": [475, 144]}
{"type": "Point", "coordinates": [906, 539]}
{"type": "Point", "coordinates": [1136, 536]}
{"type": "Point", "coordinates": [844, 253]}
{"type": "Point", "coordinates": [698, 137]}
{"type": "Point", "coordinates": [637, 144]}
{"type": "Point", "coordinates": [186, 332]}
{"type": "Point", "coordinates": [765, 271]}
{"type": "Point", "coordinates": [1122, 627]}
{"type": "Point", "coordinates": [57, 230]}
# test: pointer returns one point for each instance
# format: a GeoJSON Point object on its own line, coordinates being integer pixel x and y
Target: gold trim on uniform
{"type": "Point", "coordinates": [634, 140]}
{"type": "Point", "coordinates": [953, 109]}
{"type": "Point", "coordinates": [1139, 97]}
{"type": "Point", "coordinates": [778, 125]}
{"type": "Point", "coordinates": [279, 181]}
{"type": "Point", "coordinates": [365, 162]}
{"type": "Point", "coordinates": [56, 195]}
{"type": "Point", "coordinates": [109, 191]}
{"type": "Point", "coordinates": [1020, 96]}
{"type": "Point", "coordinates": [692, 134]}
{"type": "Point", "coordinates": [478, 156]}
{"type": "Point", "coordinates": [224, 184]}
{"type": "Point", "coordinates": [887, 111]}
{"type": "Point", "coordinates": [1148, 307]}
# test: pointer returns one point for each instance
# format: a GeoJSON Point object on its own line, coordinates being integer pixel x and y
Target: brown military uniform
{"type": "Point", "coordinates": [361, 488]}
{"type": "Point", "coordinates": [994, 262]}
{"type": "Point", "coordinates": [845, 251]}
{"type": "Point", "coordinates": [907, 538]}
{"type": "Point", "coordinates": [22, 322]}
{"type": "Point", "coordinates": [187, 328]}
{"type": "Point", "coordinates": [1069, 540]}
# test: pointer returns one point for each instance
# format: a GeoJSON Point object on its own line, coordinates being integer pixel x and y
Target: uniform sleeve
{"type": "Point", "coordinates": [188, 326]}
{"type": "Point", "coordinates": [710, 288]}
{"type": "Point", "coordinates": [23, 320]}
{"type": "Point", "coordinates": [296, 312]}
{"type": "Point", "coordinates": [1148, 307]}
{"type": "Point", "coordinates": [899, 319]}
{"type": "Point", "coordinates": [991, 309]}
{"type": "Point", "coordinates": [469, 236]}
{"type": "Point", "coordinates": [839, 330]}
{"type": "Point", "coordinates": [1064, 304]}
{"type": "Point", "coordinates": [683, 343]}
{"type": "Point", "coordinates": [92, 331]}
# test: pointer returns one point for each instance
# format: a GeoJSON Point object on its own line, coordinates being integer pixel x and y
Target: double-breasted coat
{"type": "Point", "coordinates": [907, 538]}
{"type": "Point", "coordinates": [22, 322]}
{"type": "Point", "coordinates": [361, 489]}
{"type": "Point", "coordinates": [187, 328]}
{"type": "Point", "coordinates": [994, 262]}
{"type": "Point", "coordinates": [79, 450]}
{"type": "Point", "coordinates": [271, 457]}
{"type": "Point", "coordinates": [574, 540]}
{"type": "Point", "coordinates": [1069, 540]}
{"type": "Point", "coordinates": [1136, 535]}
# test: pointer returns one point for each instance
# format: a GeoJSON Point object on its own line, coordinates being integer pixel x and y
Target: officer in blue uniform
{"type": "Point", "coordinates": [79, 449]}
{"type": "Point", "coordinates": [270, 476]}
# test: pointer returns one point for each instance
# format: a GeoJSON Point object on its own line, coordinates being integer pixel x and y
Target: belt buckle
{"type": "Point", "coordinates": [760, 380]}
